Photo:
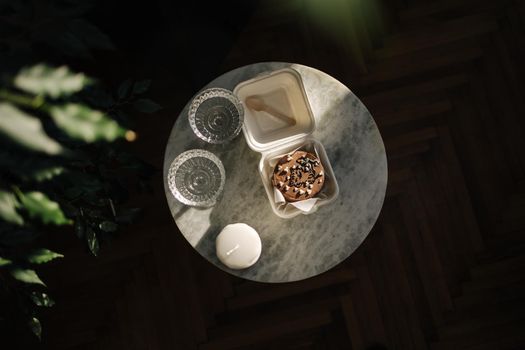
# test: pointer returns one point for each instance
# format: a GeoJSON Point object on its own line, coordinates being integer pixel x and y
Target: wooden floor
{"type": "Point", "coordinates": [444, 266]}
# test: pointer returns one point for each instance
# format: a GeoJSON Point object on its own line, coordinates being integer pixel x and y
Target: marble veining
{"type": "Point", "coordinates": [307, 245]}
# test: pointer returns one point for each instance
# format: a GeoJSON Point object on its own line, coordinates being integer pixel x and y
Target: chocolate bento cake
{"type": "Point", "coordinates": [299, 176]}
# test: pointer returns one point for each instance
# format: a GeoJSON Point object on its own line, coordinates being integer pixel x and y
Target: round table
{"type": "Point", "coordinates": [306, 245]}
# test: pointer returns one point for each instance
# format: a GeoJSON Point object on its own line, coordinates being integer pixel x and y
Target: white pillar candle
{"type": "Point", "coordinates": [238, 246]}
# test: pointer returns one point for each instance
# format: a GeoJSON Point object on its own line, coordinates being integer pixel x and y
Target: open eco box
{"type": "Point", "coordinates": [283, 90]}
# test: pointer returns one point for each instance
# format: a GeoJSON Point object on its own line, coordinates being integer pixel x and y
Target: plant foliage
{"type": "Point", "coordinates": [63, 163]}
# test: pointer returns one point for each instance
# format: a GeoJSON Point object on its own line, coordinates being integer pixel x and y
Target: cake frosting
{"type": "Point", "coordinates": [299, 176]}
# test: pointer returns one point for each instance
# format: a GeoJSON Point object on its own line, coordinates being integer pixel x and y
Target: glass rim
{"type": "Point", "coordinates": [181, 159]}
{"type": "Point", "coordinates": [205, 95]}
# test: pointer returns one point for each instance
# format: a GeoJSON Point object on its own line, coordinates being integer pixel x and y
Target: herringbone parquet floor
{"type": "Point", "coordinates": [444, 267]}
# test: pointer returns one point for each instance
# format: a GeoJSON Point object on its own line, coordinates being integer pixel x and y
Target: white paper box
{"type": "Point", "coordinates": [283, 90]}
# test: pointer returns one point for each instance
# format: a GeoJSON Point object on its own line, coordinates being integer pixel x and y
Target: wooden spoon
{"type": "Point", "coordinates": [257, 104]}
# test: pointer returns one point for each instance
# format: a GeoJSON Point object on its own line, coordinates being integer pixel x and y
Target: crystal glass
{"type": "Point", "coordinates": [216, 115]}
{"type": "Point", "coordinates": [196, 178]}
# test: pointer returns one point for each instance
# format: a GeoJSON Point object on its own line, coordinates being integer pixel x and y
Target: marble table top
{"type": "Point", "coordinates": [306, 245]}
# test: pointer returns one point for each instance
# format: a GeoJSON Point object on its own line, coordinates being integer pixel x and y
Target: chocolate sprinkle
{"type": "Point", "coordinates": [299, 175]}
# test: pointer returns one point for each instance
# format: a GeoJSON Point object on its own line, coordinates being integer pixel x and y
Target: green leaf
{"type": "Point", "coordinates": [4, 262]}
{"type": "Point", "coordinates": [8, 205]}
{"type": "Point", "coordinates": [108, 226]}
{"type": "Point", "coordinates": [83, 123]}
{"type": "Point", "coordinates": [92, 241]}
{"type": "Point", "coordinates": [55, 82]}
{"type": "Point", "coordinates": [35, 326]}
{"type": "Point", "coordinates": [29, 166]}
{"type": "Point", "coordinates": [123, 89]}
{"type": "Point", "coordinates": [39, 205]}
{"type": "Point", "coordinates": [45, 174]}
{"type": "Point", "coordinates": [26, 130]}
{"type": "Point", "coordinates": [42, 255]}
{"type": "Point", "coordinates": [26, 275]}
{"type": "Point", "coordinates": [90, 34]}
{"type": "Point", "coordinates": [42, 299]}
{"type": "Point", "coordinates": [146, 105]}
{"type": "Point", "coordinates": [141, 87]}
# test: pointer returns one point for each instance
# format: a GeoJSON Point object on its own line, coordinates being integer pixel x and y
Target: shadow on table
{"type": "Point", "coordinates": [225, 212]}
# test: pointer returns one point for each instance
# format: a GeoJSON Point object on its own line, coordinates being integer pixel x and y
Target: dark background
{"type": "Point", "coordinates": [443, 266]}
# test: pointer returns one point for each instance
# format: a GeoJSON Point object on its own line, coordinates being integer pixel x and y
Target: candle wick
{"type": "Point", "coordinates": [232, 250]}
